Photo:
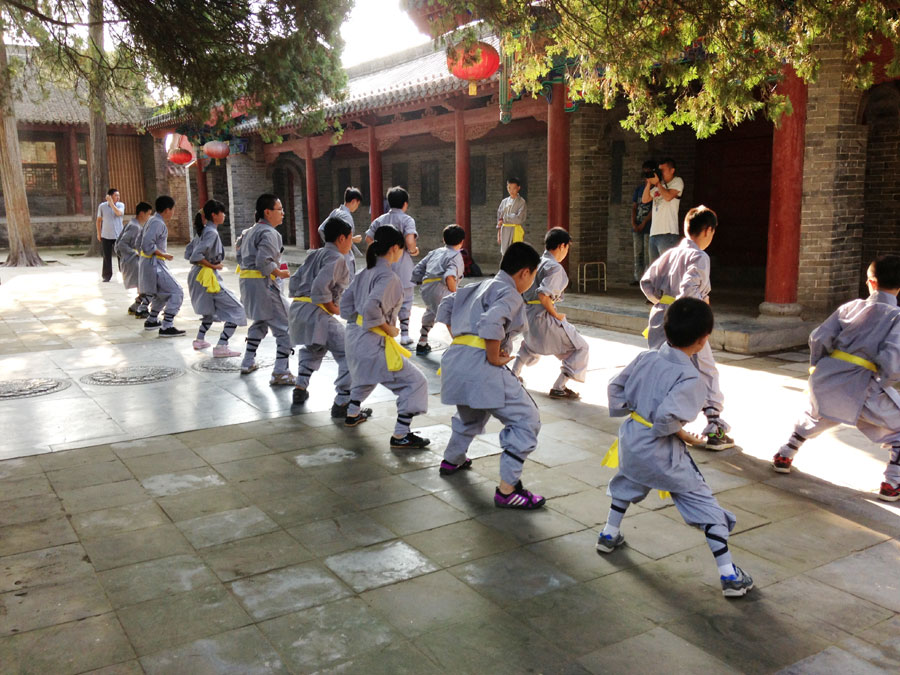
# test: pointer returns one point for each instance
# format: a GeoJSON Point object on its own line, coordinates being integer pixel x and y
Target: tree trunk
{"type": "Point", "coordinates": [22, 251]}
{"type": "Point", "coordinates": [97, 101]}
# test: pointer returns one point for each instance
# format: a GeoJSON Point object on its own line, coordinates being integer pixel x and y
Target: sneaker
{"type": "Point", "coordinates": [200, 344]}
{"type": "Point", "coordinates": [736, 585]}
{"type": "Point", "coordinates": [421, 349]}
{"type": "Point", "coordinates": [606, 543]}
{"type": "Point", "coordinates": [223, 352]}
{"type": "Point", "coordinates": [889, 493]}
{"type": "Point", "coordinates": [141, 314]}
{"type": "Point", "coordinates": [447, 468]}
{"type": "Point", "coordinates": [782, 464]}
{"type": "Point", "coordinates": [410, 441]}
{"type": "Point", "coordinates": [565, 392]}
{"type": "Point", "coordinates": [338, 411]}
{"type": "Point", "coordinates": [132, 311]}
{"type": "Point", "coordinates": [152, 324]}
{"type": "Point", "coordinates": [519, 498]}
{"type": "Point", "coordinates": [171, 331]}
{"type": "Point", "coordinates": [246, 370]}
{"type": "Point", "coordinates": [364, 414]}
{"type": "Point", "coordinates": [281, 380]}
{"type": "Point", "coordinates": [300, 396]}
{"type": "Point", "coordinates": [405, 339]}
{"type": "Point", "coordinates": [718, 441]}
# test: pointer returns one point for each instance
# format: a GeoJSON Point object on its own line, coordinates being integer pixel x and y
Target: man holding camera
{"type": "Point", "coordinates": [663, 188]}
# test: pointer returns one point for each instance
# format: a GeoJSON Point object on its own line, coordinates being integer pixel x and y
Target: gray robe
{"type": "Point", "coordinates": [127, 247]}
{"type": "Point", "coordinates": [344, 214]}
{"type": "Point", "coordinates": [260, 250]}
{"type": "Point", "coordinates": [154, 277]}
{"type": "Point", "coordinates": [547, 334]}
{"type": "Point", "coordinates": [438, 264]}
{"type": "Point", "coordinates": [322, 278]}
{"type": "Point", "coordinates": [405, 225]}
{"type": "Point", "coordinates": [221, 306]}
{"type": "Point", "coordinates": [511, 212]}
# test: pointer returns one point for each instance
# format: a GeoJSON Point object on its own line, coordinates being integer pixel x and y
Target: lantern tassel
{"type": "Point", "coordinates": [473, 88]}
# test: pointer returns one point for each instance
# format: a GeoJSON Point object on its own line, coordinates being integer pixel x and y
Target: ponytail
{"type": "Point", "coordinates": [210, 208]}
{"type": "Point", "coordinates": [385, 238]}
{"type": "Point", "coordinates": [199, 223]}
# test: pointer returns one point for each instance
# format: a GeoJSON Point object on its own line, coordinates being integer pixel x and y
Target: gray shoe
{"type": "Point", "coordinates": [607, 544]}
{"type": "Point", "coordinates": [737, 584]}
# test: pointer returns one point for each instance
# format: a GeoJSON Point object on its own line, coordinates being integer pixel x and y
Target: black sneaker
{"type": "Point", "coordinates": [152, 324]}
{"type": "Point", "coordinates": [410, 441]}
{"type": "Point", "coordinates": [141, 314]}
{"type": "Point", "coordinates": [132, 311]}
{"type": "Point", "coordinates": [171, 331]}
{"type": "Point", "coordinates": [421, 349]}
{"type": "Point", "coordinates": [300, 395]}
{"type": "Point", "coordinates": [339, 411]}
{"type": "Point", "coordinates": [364, 414]}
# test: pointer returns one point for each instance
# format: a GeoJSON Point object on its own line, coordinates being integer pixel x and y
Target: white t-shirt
{"type": "Point", "coordinates": [112, 224]}
{"type": "Point", "coordinates": [665, 214]}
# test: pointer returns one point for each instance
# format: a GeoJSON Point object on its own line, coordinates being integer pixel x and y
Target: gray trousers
{"type": "Point", "coordinates": [660, 243]}
{"type": "Point", "coordinates": [167, 301]}
{"type": "Point", "coordinates": [406, 309]}
{"type": "Point", "coordinates": [519, 436]}
{"type": "Point", "coordinates": [310, 360]}
{"type": "Point", "coordinates": [641, 244]}
{"type": "Point", "coordinates": [506, 238]}
{"type": "Point", "coordinates": [255, 334]}
{"type": "Point", "coordinates": [408, 385]}
{"type": "Point", "coordinates": [574, 362]}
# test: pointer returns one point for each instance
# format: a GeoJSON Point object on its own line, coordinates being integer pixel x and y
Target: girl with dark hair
{"type": "Point", "coordinates": [211, 300]}
{"type": "Point", "coordinates": [371, 306]}
{"type": "Point", "coordinates": [259, 256]}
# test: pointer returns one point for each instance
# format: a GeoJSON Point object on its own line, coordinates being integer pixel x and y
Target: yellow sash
{"type": "Point", "coordinates": [855, 360]}
{"type": "Point", "coordinates": [518, 233]}
{"type": "Point", "coordinates": [611, 459]}
{"type": "Point", "coordinates": [318, 304]}
{"type": "Point", "coordinates": [468, 341]}
{"type": "Point", "coordinates": [253, 274]}
{"type": "Point", "coordinates": [532, 302]}
{"type": "Point", "coordinates": [207, 278]}
{"type": "Point", "coordinates": [664, 300]}
{"type": "Point", "coordinates": [155, 255]}
{"type": "Point", "coordinates": [432, 280]}
{"type": "Point", "coordinates": [393, 351]}
{"type": "Point", "coordinates": [237, 270]}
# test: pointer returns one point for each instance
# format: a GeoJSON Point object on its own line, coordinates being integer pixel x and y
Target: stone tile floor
{"type": "Point", "coordinates": [197, 526]}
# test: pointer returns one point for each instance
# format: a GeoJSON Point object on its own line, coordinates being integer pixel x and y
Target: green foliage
{"type": "Point", "coordinates": [703, 63]}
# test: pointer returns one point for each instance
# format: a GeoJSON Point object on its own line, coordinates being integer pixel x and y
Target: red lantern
{"type": "Point", "coordinates": [217, 150]}
{"type": "Point", "coordinates": [180, 156]}
{"type": "Point", "coordinates": [478, 62]}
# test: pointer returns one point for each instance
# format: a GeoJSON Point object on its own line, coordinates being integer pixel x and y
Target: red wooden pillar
{"type": "Point", "coordinates": [75, 171]}
{"type": "Point", "coordinates": [202, 191]}
{"type": "Point", "coordinates": [785, 201]}
{"type": "Point", "coordinates": [558, 159]}
{"type": "Point", "coordinates": [463, 199]}
{"type": "Point", "coordinates": [376, 195]}
{"type": "Point", "coordinates": [312, 196]}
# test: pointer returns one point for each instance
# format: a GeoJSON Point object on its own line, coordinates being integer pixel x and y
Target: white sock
{"type": "Point", "coordinates": [727, 570]}
{"type": "Point", "coordinates": [561, 381]}
{"type": "Point", "coordinates": [610, 531]}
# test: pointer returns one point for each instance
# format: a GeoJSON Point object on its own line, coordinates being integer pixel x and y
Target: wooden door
{"type": "Point", "coordinates": [126, 171]}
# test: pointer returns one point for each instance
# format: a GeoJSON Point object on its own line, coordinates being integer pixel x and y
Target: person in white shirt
{"type": "Point", "coordinates": [664, 189]}
{"type": "Point", "coordinates": [109, 227]}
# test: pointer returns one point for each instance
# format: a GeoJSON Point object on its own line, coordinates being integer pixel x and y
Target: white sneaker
{"type": "Point", "coordinates": [405, 339]}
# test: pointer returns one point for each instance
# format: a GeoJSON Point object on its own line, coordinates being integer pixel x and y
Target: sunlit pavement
{"type": "Point", "coordinates": [200, 526]}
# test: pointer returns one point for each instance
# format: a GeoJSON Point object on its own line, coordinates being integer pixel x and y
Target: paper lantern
{"type": "Point", "coordinates": [478, 62]}
{"type": "Point", "coordinates": [217, 150]}
{"type": "Point", "coordinates": [180, 156]}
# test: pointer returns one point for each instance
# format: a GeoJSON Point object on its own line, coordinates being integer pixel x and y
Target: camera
{"type": "Point", "coordinates": [649, 173]}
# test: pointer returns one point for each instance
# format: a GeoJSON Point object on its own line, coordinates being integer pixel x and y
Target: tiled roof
{"type": "Point", "coordinates": [420, 72]}
{"type": "Point", "coordinates": [58, 104]}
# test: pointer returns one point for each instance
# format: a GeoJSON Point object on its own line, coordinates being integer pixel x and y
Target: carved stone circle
{"type": "Point", "coordinates": [229, 365]}
{"type": "Point", "coordinates": [132, 375]}
{"type": "Point", "coordinates": [35, 386]}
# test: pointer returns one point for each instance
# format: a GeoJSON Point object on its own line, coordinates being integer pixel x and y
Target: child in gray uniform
{"type": "Point", "coordinates": [438, 273]}
{"type": "Point", "coordinates": [548, 330]}
{"type": "Point", "coordinates": [371, 305]}
{"type": "Point", "coordinates": [261, 274]}
{"type": "Point", "coordinates": [209, 298]}
{"type": "Point", "coordinates": [683, 272]}
{"type": "Point", "coordinates": [856, 355]}
{"type": "Point", "coordinates": [154, 278]}
{"type": "Point", "coordinates": [352, 200]}
{"type": "Point", "coordinates": [128, 247]}
{"type": "Point", "coordinates": [317, 287]}
{"type": "Point", "coordinates": [661, 391]}
{"type": "Point", "coordinates": [483, 319]}
{"type": "Point", "coordinates": [398, 200]}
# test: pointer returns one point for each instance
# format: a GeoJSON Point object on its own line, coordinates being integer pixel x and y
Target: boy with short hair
{"type": "Point", "coordinates": [483, 319]}
{"type": "Point", "coordinates": [154, 277]}
{"type": "Point", "coordinates": [128, 250]}
{"type": "Point", "coordinates": [398, 200]}
{"type": "Point", "coordinates": [316, 288]}
{"type": "Point", "coordinates": [856, 355]}
{"type": "Point", "coordinates": [438, 273]}
{"type": "Point", "coordinates": [683, 272]}
{"type": "Point", "coordinates": [511, 216]}
{"type": "Point", "coordinates": [661, 391]}
{"type": "Point", "coordinates": [352, 200]}
{"type": "Point", "coordinates": [548, 330]}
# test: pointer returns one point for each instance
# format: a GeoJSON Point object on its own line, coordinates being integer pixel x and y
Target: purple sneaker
{"type": "Point", "coordinates": [520, 498]}
{"type": "Point", "coordinates": [447, 468]}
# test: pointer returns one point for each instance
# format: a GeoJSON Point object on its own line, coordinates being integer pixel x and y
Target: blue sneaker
{"type": "Point", "coordinates": [737, 584]}
{"type": "Point", "coordinates": [606, 543]}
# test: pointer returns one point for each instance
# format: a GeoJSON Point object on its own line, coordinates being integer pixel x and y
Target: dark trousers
{"type": "Point", "coordinates": [108, 245]}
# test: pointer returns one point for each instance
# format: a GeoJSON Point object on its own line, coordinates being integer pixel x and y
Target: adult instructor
{"type": "Point", "coordinates": [109, 227]}
{"type": "Point", "coordinates": [664, 189]}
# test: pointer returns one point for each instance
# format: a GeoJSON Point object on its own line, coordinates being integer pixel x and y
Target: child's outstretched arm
{"type": "Point", "coordinates": [688, 437]}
